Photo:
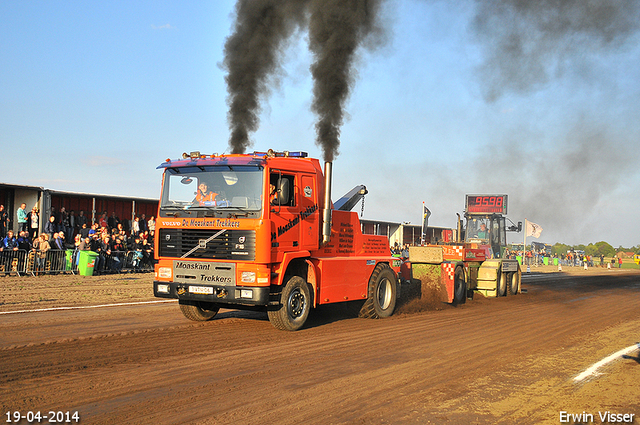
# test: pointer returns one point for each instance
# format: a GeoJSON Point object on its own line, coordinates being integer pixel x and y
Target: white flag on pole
{"type": "Point", "coordinates": [532, 229]}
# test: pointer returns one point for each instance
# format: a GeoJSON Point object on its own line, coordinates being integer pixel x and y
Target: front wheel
{"type": "Point", "coordinates": [295, 303]}
{"type": "Point", "coordinates": [381, 293]}
{"type": "Point", "coordinates": [198, 311]}
{"type": "Point", "coordinates": [459, 287]}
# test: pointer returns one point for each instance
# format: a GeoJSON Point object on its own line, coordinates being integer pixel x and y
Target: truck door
{"type": "Point", "coordinates": [284, 211]}
{"type": "Point", "coordinates": [296, 215]}
{"type": "Point", "coordinates": [498, 236]}
{"type": "Point", "coordinates": [309, 212]}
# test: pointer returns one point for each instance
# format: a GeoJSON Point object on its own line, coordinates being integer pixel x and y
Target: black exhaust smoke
{"type": "Point", "coordinates": [528, 43]}
{"type": "Point", "coordinates": [336, 29]}
{"type": "Point", "coordinates": [253, 53]}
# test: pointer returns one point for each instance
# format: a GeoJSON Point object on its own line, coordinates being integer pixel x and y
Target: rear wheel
{"type": "Point", "coordinates": [459, 287]}
{"type": "Point", "coordinates": [295, 303]}
{"type": "Point", "coordinates": [501, 284]}
{"type": "Point", "coordinates": [514, 283]}
{"type": "Point", "coordinates": [381, 293]}
{"type": "Point", "coordinates": [198, 311]}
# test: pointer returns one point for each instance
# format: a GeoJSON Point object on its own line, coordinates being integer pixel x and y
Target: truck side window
{"type": "Point", "coordinates": [282, 190]}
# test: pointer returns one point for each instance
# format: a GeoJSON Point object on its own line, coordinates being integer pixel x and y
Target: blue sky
{"type": "Point", "coordinates": [94, 96]}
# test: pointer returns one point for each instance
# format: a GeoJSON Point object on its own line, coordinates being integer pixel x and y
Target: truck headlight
{"type": "Point", "coordinates": [164, 288]}
{"type": "Point", "coordinates": [164, 272]}
{"type": "Point", "coordinates": [248, 277]}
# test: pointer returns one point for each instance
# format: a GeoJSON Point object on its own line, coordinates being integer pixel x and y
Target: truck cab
{"type": "Point", "coordinates": [486, 224]}
{"type": "Point", "coordinates": [487, 231]}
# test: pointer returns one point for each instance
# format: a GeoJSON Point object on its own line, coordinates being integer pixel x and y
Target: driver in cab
{"type": "Point", "coordinates": [482, 233]}
{"type": "Point", "coordinates": [273, 194]}
{"type": "Point", "coordinates": [205, 196]}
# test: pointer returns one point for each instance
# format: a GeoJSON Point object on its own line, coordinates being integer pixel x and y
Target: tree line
{"type": "Point", "coordinates": [594, 249]}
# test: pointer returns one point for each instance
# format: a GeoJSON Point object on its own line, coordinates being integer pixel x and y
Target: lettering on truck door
{"type": "Point", "coordinates": [285, 212]}
{"type": "Point", "coordinates": [309, 215]}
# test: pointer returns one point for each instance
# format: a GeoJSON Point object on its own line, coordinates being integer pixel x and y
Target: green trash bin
{"type": "Point", "coordinates": [69, 259]}
{"type": "Point", "coordinates": [519, 258]}
{"type": "Point", "coordinates": [545, 261]}
{"type": "Point", "coordinates": [555, 261]}
{"type": "Point", "coordinates": [87, 262]}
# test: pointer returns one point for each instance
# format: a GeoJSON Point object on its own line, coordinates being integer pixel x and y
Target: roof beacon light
{"type": "Point", "coordinates": [194, 154]}
{"type": "Point", "coordinates": [284, 154]}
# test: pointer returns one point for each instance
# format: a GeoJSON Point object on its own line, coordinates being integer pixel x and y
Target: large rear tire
{"type": "Point", "coordinates": [459, 287]}
{"type": "Point", "coordinates": [295, 303]}
{"type": "Point", "coordinates": [198, 311]}
{"type": "Point", "coordinates": [501, 284]}
{"type": "Point", "coordinates": [514, 283]}
{"type": "Point", "coordinates": [381, 293]}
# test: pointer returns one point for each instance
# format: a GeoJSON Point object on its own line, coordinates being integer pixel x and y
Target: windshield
{"type": "Point", "coordinates": [489, 231]}
{"type": "Point", "coordinates": [478, 230]}
{"type": "Point", "coordinates": [213, 188]}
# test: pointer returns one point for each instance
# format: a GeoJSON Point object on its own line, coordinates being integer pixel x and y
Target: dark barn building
{"type": "Point", "coordinates": [406, 233]}
{"type": "Point", "coordinates": [93, 205]}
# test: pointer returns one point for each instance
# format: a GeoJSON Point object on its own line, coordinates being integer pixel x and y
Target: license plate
{"type": "Point", "coordinates": [201, 289]}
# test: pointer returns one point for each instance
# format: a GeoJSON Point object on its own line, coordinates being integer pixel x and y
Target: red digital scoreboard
{"type": "Point", "coordinates": [486, 204]}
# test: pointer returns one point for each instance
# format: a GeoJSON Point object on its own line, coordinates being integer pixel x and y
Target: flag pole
{"type": "Point", "coordinates": [524, 244]}
{"type": "Point", "coordinates": [422, 225]}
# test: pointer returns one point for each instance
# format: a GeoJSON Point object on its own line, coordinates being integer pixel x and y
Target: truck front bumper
{"type": "Point", "coordinates": [240, 295]}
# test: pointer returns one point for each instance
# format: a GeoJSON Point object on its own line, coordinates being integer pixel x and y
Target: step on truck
{"type": "Point", "coordinates": [259, 231]}
{"type": "Point", "coordinates": [476, 261]}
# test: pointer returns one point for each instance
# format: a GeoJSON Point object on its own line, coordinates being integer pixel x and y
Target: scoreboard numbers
{"type": "Point", "coordinates": [487, 204]}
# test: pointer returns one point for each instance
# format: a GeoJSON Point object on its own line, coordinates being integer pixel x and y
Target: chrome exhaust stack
{"type": "Point", "coordinates": [326, 212]}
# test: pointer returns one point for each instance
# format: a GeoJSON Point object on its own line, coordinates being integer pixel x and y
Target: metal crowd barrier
{"type": "Point", "coordinates": [123, 262]}
{"type": "Point", "coordinates": [13, 261]}
{"type": "Point", "coordinates": [21, 262]}
{"type": "Point", "coordinates": [35, 262]}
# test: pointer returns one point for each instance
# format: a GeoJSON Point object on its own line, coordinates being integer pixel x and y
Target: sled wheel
{"type": "Point", "coordinates": [514, 283]}
{"type": "Point", "coordinates": [459, 287]}
{"type": "Point", "coordinates": [501, 284]}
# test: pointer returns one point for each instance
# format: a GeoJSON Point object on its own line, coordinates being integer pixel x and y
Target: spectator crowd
{"type": "Point", "coordinates": [116, 241]}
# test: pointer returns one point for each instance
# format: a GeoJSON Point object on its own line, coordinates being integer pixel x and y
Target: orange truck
{"type": "Point", "coordinates": [259, 231]}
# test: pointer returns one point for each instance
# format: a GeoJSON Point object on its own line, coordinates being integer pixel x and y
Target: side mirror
{"type": "Point", "coordinates": [283, 191]}
{"type": "Point", "coordinates": [519, 226]}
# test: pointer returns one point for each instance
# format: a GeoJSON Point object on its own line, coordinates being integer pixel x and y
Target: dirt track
{"type": "Point", "coordinates": [508, 360]}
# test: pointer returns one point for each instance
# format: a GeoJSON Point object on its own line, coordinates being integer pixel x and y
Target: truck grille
{"type": "Point", "coordinates": [230, 245]}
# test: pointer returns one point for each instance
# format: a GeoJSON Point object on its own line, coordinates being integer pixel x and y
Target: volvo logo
{"type": "Point", "coordinates": [241, 239]}
{"type": "Point", "coordinates": [167, 237]}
